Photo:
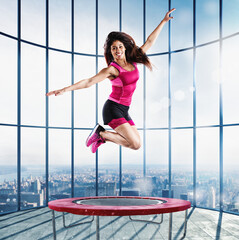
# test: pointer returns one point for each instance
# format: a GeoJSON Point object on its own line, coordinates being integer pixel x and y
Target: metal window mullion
{"type": "Point", "coordinates": [169, 108]}
{"type": "Point", "coordinates": [149, 55]}
{"type": "Point", "coordinates": [72, 99]}
{"type": "Point", "coordinates": [144, 94]}
{"type": "Point", "coordinates": [19, 105]}
{"type": "Point", "coordinates": [120, 15]}
{"type": "Point", "coordinates": [221, 108]}
{"type": "Point", "coordinates": [47, 103]}
{"type": "Point", "coordinates": [120, 147]}
{"type": "Point", "coordinates": [96, 89]}
{"type": "Point", "coordinates": [120, 170]}
{"type": "Point", "coordinates": [194, 107]}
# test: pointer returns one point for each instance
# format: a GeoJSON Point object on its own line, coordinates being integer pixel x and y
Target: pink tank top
{"type": "Point", "coordinates": [124, 85]}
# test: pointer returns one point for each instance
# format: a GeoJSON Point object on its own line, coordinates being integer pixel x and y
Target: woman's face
{"type": "Point", "coordinates": [118, 50]}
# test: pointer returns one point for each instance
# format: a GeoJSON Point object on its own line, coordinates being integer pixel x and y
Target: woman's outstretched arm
{"type": "Point", "coordinates": [85, 83]}
{"type": "Point", "coordinates": [153, 36]}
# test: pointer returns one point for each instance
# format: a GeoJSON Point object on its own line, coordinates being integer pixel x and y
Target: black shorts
{"type": "Point", "coordinates": [115, 114]}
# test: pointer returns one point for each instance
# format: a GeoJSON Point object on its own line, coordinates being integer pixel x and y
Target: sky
{"type": "Point", "coordinates": [207, 72]}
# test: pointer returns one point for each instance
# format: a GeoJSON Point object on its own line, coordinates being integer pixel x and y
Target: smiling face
{"type": "Point", "coordinates": [118, 50]}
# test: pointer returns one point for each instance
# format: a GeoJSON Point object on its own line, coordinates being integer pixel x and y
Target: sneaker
{"type": "Point", "coordinates": [95, 135]}
{"type": "Point", "coordinates": [95, 145]}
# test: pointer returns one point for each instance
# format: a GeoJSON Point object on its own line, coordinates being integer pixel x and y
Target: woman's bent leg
{"type": "Point", "coordinates": [125, 135]}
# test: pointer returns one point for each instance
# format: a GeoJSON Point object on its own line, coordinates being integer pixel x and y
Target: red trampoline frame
{"type": "Point", "coordinates": [68, 205]}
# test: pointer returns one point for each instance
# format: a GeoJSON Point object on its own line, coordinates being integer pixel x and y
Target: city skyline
{"type": "Point", "coordinates": [133, 182]}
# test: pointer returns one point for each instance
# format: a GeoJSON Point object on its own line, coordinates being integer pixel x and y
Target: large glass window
{"type": "Point", "coordinates": [133, 182]}
{"type": "Point", "coordinates": [33, 185]}
{"type": "Point", "coordinates": [207, 194]}
{"type": "Point", "coordinates": [155, 12]}
{"type": "Point", "coordinates": [182, 164]}
{"type": "Point", "coordinates": [231, 169]}
{"type": "Point", "coordinates": [59, 77]}
{"type": "Point", "coordinates": [33, 21]}
{"type": "Point", "coordinates": [182, 89]}
{"type": "Point", "coordinates": [108, 21]}
{"type": "Point", "coordinates": [132, 21]}
{"type": "Point", "coordinates": [108, 170]}
{"type": "Point", "coordinates": [157, 101]}
{"type": "Point", "coordinates": [84, 175]}
{"type": "Point", "coordinates": [59, 164]}
{"type": "Point", "coordinates": [60, 24]}
{"type": "Point", "coordinates": [33, 85]}
{"type": "Point", "coordinates": [230, 21]}
{"type": "Point", "coordinates": [207, 20]}
{"type": "Point", "coordinates": [8, 74]}
{"type": "Point", "coordinates": [230, 83]}
{"type": "Point", "coordinates": [207, 85]}
{"type": "Point", "coordinates": [84, 23]}
{"type": "Point", "coordinates": [8, 17]}
{"type": "Point", "coordinates": [85, 99]}
{"type": "Point", "coordinates": [185, 109]}
{"type": "Point", "coordinates": [182, 28]}
{"type": "Point", "coordinates": [8, 170]}
{"type": "Point", "coordinates": [157, 161]}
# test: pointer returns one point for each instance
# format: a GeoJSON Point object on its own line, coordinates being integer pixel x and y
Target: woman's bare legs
{"type": "Point", "coordinates": [125, 135]}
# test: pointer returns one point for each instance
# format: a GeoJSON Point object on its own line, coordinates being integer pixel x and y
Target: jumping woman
{"type": "Point", "coordinates": [122, 56]}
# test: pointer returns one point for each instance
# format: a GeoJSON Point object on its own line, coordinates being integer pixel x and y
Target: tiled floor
{"type": "Point", "coordinates": [36, 224]}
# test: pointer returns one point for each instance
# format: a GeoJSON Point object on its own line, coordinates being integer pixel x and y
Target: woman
{"type": "Point", "coordinates": [122, 56]}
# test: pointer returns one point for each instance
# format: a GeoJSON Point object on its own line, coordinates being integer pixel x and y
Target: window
{"type": "Point", "coordinates": [207, 191]}
{"type": "Point", "coordinates": [8, 89]}
{"type": "Point", "coordinates": [185, 109]}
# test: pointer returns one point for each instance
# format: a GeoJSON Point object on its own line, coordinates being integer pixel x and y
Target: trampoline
{"type": "Point", "coordinates": [119, 206]}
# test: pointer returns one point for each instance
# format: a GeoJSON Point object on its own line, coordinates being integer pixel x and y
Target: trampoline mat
{"type": "Point", "coordinates": [119, 201]}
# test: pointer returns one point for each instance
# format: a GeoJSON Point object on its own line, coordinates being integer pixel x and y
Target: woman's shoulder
{"type": "Point", "coordinates": [113, 69]}
{"type": "Point", "coordinates": [115, 65]}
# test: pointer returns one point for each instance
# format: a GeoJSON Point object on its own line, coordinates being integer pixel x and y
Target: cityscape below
{"type": "Point", "coordinates": [33, 185]}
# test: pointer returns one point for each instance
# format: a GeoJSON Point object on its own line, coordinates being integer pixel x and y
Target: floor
{"type": "Point", "coordinates": [36, 224]}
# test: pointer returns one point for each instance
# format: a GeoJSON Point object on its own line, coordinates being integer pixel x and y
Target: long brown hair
{"type": "Point", "coordinates": [133, 53]}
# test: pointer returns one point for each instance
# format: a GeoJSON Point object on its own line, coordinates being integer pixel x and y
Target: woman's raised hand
{"type": "Point", "coordinates": [56, 92]}
{"type": "Point", "coordinates": [167, 18]}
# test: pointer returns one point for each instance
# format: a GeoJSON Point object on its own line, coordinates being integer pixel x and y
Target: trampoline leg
{"type": "Point", "coordinates": [146, 221]}
{"type": "Point", "coordinates": [170, 226]}
{"type": "Point", "coordinates": [54, 224]}
{"type": "Point", "coordinates": [73, 225]}
{"type": "Point", "coordinates": [97, 228]}
{"type": "Point", "coordinates": [185, 224]}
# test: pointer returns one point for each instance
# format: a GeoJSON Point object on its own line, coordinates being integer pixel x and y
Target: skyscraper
{"type": "Point", "coordinates": [212, 198]}
{"type": "Point", "coordinates": [37, 186]}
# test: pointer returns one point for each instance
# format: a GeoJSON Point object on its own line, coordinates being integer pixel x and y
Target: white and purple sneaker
{"type": "Point", "coordinates": [95, 135]}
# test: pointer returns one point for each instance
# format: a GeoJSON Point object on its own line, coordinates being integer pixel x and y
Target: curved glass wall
{"type": "Point", "coordinates": [185, 109]}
